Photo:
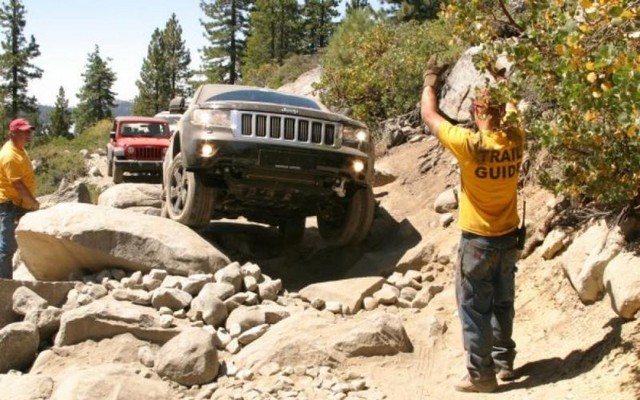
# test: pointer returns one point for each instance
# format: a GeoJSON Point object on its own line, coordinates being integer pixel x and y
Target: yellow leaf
{"type": "Point", "coordinates": [606, 86]}
{"type": "Point", "coordinates": [596, 94]}
{"type": "Point", "coordinates": [590, 116]}
{"type": "Point", "coordinates": [627, 14]}
{"type": "Point", "coordinates": [592, 77]}
{"type": "Point", "coordinates": [589, 66]}
{"type": "Point", "coordinates": [584, 28]}
{"type": "Point", "coordinates": [560, 49]}
{"type": "Point", "coordinates": [586, 3]}
{"type": "Point", "coordinates": [631, 131]}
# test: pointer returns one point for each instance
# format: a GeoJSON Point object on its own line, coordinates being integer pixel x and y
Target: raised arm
{"type": "Point", "coordinates": [429, 110]}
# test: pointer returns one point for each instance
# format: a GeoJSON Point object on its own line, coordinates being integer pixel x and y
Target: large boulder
{"type": "Point", "coordinates": [26, 387]}
{"type": "Point", "coordinates": [622, 282]}
{"type": "Point", "coordinates": [18, 346]}
{"type": "Point", "coordinates": [88, 237]}
{"type": "Point", "coordinates": [586, 258]}
{"type": "Point", "coordinates": [190, 358]}
{"type": "Point", "coordinates": [107, 318]}
{"type": "Point", "coordinates": [350, 293]}
{"type": "Point", "coordinates": [133, 196]}
{"type": "Point", "coordinates": [107, 381]}
{"type": "Point", "coordinates": [55, 293]}
{"type": "Point", "coordinates": [315, 338]}
{"type": "Point", "coordinates": [66, 193]}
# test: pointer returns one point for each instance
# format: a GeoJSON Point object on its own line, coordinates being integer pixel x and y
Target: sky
{"type": "Point", "coordinates": [68, 30]}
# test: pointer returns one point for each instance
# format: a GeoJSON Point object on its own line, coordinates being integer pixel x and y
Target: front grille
{"type": "Point", "coordinates": [148, 153]}
{"type": "Point", "coordinates": [293, 129]}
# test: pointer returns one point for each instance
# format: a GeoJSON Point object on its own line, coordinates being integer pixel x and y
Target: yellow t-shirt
{"type": "Point", "coordinates": [489, 164]}
{"type": "Point", "coordinates": [15, 165]}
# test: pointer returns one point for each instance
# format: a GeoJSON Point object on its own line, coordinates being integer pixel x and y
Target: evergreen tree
{"type": "Point", "coordinates": [165, 70]}
{"type": "Point", "coordinates": [154, 85]}
{"type": "Point", "coordinates": [356, 4]}
{"type": "Point", "coordinates": [178, 59]}
{"type": "Point", "coordinates": [15, 61]}
{"type": "Point", "coordinates": [96, 97]}
{"type": "Point", "coordinates": [318, 23]}
{"type": "Point", "coordinates": [420, 10]}
{"type": "Point", "coordinates": [276, 32]}
{"type": "Point", "coordinates": [60, 116]}
{"type": "Point", "coordinates": [226, 31]}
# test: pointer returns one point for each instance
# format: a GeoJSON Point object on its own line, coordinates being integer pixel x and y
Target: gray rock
{"type": "Point", "coordinates": [26, 387]}
{"type": "Point", "coordinates": [47, 321]}
{"type": "Point", "coordinates": [247, 317]}
{"type": "Point", "coordinates": [446, 201]}
{"type": "Point", "coordinates": [348, 292]}
{"type": "Point", "coordinates": [230, 274]}
{"type": "Point", "coordinates": [18, 346]}
{"type": "Point", "coordinates": [174, 299]}
{"type": "Point", "coordinates": [127, 195]}
{"type": "Point", "coordinates": [188, 359]}
{"type": "Point", "coordinates": [141, 297]}
{"type": "Point", "coordinates": [209, 306]}
{"type": "Point", "coordinates": [622, 282]}
{"type": "Point", "coordinates": [26, 300]}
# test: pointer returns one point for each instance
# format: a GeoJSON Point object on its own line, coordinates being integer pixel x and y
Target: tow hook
{"type": "Point", "coordinates": [339, 187]}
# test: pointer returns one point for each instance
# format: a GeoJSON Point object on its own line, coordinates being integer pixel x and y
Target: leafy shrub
{"type": "Point", "coordinates": [374, 69]}
{"type": "Point", "coordinates": [61, 157]}
{"type": "Point", "coordinates": [274, 75]}
{"type": "Point", "coordinates": [581, 57]}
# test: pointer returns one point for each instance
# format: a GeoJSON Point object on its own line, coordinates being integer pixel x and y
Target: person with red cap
{"type": "Point", "coordinates": [17, 190]}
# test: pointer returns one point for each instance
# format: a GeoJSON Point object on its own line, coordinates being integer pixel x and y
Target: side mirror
{"type": "Point", "coordinates": [112, 135]}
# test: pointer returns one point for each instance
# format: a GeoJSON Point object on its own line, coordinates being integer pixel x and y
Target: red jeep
{"type": "Point", "coordinates": [137, 144]}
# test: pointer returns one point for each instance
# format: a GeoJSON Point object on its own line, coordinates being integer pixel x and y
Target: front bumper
{"type": "Point", "coordinates": [139, 166]}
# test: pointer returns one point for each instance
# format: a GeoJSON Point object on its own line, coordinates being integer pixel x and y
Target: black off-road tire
{"type": "Point", "coordinates": [187, 199]}
{"type": "Point", "coordinates": [354, 226]}
{"type": "Point", "coordinates": [109, 168]}
{"type": "Point", "coordinates": [292, 231]}
{"type": "Point", "coordinates": [117, 172]}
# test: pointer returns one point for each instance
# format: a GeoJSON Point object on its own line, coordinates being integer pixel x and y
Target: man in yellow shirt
{"type": "Point", "coordinates": [489, 160]}
{"type": "Point", "coordinates": [17, 190]}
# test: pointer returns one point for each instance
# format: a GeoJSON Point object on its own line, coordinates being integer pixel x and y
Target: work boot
{"type": "Point", "coordinates": [506, 374]}
{"type": "Point", "coordinates": [485, 384]}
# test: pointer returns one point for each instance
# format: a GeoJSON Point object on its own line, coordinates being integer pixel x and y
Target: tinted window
{"type": "Point", "coordinates": [143, 129]}
{"type": "Point", "coordinates": [265, 97]}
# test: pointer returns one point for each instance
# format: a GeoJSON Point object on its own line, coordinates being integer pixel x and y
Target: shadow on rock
{"type": "Point", "coordinates": [313, 261]}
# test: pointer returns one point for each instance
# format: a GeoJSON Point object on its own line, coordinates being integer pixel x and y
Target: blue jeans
{"type": "Point", "coordinates": [8, 219]}
{"type": "Point", "coordinates": [485, 291]}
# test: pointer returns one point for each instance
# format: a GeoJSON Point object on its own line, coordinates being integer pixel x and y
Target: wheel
{"type": "Point", "coordinates": [292, 231]}
{"type": "Point", "coordinates": [109, 168]}
{"type": "Point", "coordinates": [352, 226]}
{"type": "Point", "coordinates": [187, 199]}
{"type": "Point", "coordinates": [117, 172]}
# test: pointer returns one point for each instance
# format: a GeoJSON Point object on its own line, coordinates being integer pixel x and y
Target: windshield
{"type": "Point", "coordinates": [262, 96]}
{"type": "Point", "coordinates": [144, 129]}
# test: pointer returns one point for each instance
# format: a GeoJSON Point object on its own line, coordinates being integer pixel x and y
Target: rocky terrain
{"type": "Point", "coordinates": [114, 302]}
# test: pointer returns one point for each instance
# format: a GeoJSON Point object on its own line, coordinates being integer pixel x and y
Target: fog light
{"type": "Point", "coordinates": [207, 150]}
{"type": "Point", "coordinates": [358, 166]}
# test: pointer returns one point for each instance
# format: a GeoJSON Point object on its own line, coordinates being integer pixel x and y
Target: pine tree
{"type": "Point", "coordinates": [276, 32]}
{"type": "Point", "coordinates": [165, 70]}
{"type": "Point", "coordinates": [226, 31]}
{"type": "Point", "coordinates": [420, 10]}
{"type": "Point", "coordinates": [15, 61]}
{"type": "Point", "coordinates": [356, 4]}
{"type": "Point", "coordinates": [60, 116]}
{"type": "Point", "coordinates": [154, 85]}
{"type": "Point", "coordinates": [96, 97]}
{"type": "Point", "coordinates": [318, 23]}
{"type": "Point", "coordinates": [178, 59]}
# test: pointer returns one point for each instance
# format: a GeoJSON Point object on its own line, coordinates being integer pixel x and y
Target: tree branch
{"type": "Point", "coordinates": [509, 17]}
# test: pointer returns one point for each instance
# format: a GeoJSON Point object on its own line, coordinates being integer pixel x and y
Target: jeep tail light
{"type": "Point", "coordinates": [211, 118]}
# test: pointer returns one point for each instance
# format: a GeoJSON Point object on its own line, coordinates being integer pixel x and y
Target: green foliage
{"type": "Point", "coordinates": [226, 32]}
{"type": "Point", "coordinates": [580, 59]}
{"type": "Point", "coordinates": [375, 69]}
{"type": "Point", "coordinates": [96, 97]}
{"type": "Point", "coordinates": [61, 156]}
{"type": "Point", "coordinates": [413, 10]}
{"type": "Point", "coordinates": [353, 5]}
{"type": "Point", "coordinates": [16, 68]}
{"type": "Point", "coordinates": [275, 34]}
{"type": "Point", "coordinates": [60, 116]}
{"type": "Point", "coordinates": [318, 23]}
{"type": "Point", "coordinates": [274, 75]}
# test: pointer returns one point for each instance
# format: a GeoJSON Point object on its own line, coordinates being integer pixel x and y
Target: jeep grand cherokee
{"type": "Point", "coordinates": [271, 157]}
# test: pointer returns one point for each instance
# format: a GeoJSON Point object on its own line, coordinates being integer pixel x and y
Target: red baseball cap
{"type": "Point", "coordinates": [20, 125]}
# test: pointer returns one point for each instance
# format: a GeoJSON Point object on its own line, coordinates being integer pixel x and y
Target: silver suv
{"type": "Point", "coordinates": [271, 157]}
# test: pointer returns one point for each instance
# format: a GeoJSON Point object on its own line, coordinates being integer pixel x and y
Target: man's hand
{"type": "Point", "coordinates": [432, 71]}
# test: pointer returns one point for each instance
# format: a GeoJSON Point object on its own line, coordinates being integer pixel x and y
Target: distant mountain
{"type": "Point", "coordinates": [123, 107]}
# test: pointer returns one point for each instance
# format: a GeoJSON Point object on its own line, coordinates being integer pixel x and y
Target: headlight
{"type": "Point", "coordinates": [355, 134]}
{"type": "Point", "coordinates": [131, 150]}
{"type": "Point", "coordinates": [358, 165]}
{"type": "Point", "coordinates": [211, 118]}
